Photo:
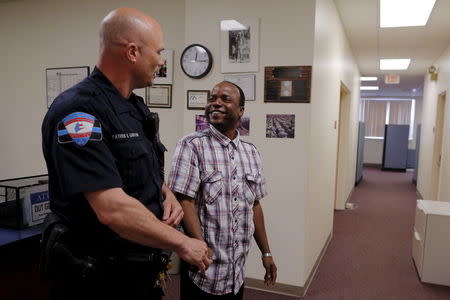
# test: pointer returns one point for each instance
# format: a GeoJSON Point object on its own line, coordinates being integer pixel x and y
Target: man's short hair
{"type": "Point", "coordinates": [241, 93]}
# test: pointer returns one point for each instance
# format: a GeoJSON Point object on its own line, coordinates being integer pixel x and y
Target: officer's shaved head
{"type": "Point", "coordinates": [124, 25]}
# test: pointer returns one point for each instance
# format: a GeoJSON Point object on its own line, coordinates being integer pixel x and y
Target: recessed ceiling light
{"type": "Point", "coordinates": [229, 25]}
{"type": "Point", "coordinates": [368, 78]}
{"type": "Point", "coordinates": [405, 13]}
{"type": "Point", "coordinates": [394, 64]}
{"type": "Point", "coordinates": [368, 88]}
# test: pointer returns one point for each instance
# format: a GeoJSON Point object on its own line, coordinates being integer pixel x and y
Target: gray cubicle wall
{"type": "Point", "coordinates": [416, 168]}
{"type": "Point", "coordinates": [395, 151]}
{"type": "Point", "coordinates": [360, 152]}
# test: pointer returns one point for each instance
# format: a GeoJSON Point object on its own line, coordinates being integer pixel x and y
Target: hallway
{"type": "Point", "coordinates": [369, 256]}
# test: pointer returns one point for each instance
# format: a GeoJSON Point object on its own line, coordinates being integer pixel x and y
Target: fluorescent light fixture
{"type": "Point", "coordinates": [228, 25]}
{"type": "Point", "coordinates": [405, 13]}
{"type": "Point", "coordinates": [368, 88]}
{"type": "Point", "coordinates": [394, 64]}
{"type": "Point", "coordinates": [368, 78]}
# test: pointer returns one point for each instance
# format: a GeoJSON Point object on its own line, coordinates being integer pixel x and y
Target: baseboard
{"type": "Point", "coordinates": [372, 165]}
{"type": "Point", "coordinates": [287, 289]}
{"type": "Point", "coordinates": [419, 195]}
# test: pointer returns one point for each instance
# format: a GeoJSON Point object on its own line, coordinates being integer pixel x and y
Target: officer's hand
{"type": "Point", "coordinates": [271, 270]}
{"type": "Point", "coordinates": [173, 212]}
{"type": "Point", "coordinates": [195, 252]}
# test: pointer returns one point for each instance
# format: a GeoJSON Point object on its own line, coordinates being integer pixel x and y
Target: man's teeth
{"type": "Point", "coordinates": [216, 113]}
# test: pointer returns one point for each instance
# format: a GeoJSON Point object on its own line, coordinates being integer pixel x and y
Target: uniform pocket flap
{"type": "Point", "coordinates": [130, 150]}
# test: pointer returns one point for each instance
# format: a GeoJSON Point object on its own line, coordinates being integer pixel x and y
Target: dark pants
{"type": "Point", "coordinates": [190, 291]}
{"type": "Point", "coordinates": [113, 281]}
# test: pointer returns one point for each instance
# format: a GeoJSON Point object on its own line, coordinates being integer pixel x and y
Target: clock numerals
{"type": "Point", "coordinates": [196, 61]}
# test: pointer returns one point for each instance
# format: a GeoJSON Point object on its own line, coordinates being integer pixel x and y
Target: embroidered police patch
{"type": "Point", "coordinates": [79, 127]}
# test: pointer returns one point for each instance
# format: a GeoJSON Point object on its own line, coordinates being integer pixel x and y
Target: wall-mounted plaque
{"type": "Point", "coordinates": [289, 84]}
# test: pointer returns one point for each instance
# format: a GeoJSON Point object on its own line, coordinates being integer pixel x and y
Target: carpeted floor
{"type": "Point", "coordinates": [369, 256]}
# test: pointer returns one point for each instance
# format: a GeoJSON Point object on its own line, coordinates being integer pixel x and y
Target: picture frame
{"type": "Point", "coordinates": [159, 95]}
{"type": "Point", "coordinates": [239, 45]}
{"type": "Point", "coordinates": [165, 73]}
{"type": "Point", "coordinates": [60, 79]}
{"type": "Point", "coordinates": [246, 82]}
{"type": "Point", "coordinates": [287, 84]}
{"type": "Point", "coordinates": [197, 99]}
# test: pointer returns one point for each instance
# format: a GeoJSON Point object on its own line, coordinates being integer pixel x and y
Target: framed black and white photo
{"type": "Point", "coordinates": [246, 82]}
{"type": "Point", "coordinates": [60, 79]}
{"type": "Point", "coordinates": [197, 99]}
{"type": "Point", "coordinates": [239, 45]}
{"type": "Point", "coordinates": [159, 95]}
{"type": "Point", "coordinates": [165, 73]}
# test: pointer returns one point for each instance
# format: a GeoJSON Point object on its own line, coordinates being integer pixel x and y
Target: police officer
{"type": "Point", "coordinates": [105, 161]}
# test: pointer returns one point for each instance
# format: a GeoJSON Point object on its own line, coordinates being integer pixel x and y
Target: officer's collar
{"type": "Point", "coordinates": [120, 103]}
{"type": "Point", "coordinates": [223, 139]}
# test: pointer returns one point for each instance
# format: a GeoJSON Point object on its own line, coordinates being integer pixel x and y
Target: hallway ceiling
{"type": "Point", "coordinates": [424, 45]}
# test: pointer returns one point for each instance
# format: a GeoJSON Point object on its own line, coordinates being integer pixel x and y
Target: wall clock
{"type": "Point", "coordinates": [196, 61]}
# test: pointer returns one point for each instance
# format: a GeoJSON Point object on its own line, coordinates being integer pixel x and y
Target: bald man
{"type": "Point", "coordinates": [105, 161]}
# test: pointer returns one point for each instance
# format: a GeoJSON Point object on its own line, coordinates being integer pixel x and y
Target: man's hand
{"type": "Point", "coordinates": [271, 270]}
{"type": "Point", "coordinates": [173, 212]}
{"type": "Point", "coordinates": [196, 253]}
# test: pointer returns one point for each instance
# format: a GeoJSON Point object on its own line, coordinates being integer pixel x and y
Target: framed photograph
{"type": "Point", "coordinates": [239, 43]}
{"type": "Point", "coordinates": [159, 95]}
{"type": "Point", "coordinates": [244, 126]}
{"type": "Point", "coordinates": [201, 123]}
{"type": "Point", "coordinates": [165, 73]}
{"type": "Point", "coordinates": [245, 82]}
{"type": "Point", "coordinates": [60, 79]}
{"type": "Point", "coordinates": [197, 99]}
{"type": "Point", "coordinates": [280, 126]}
{"type": "Point", "coordinates": [287, 84]}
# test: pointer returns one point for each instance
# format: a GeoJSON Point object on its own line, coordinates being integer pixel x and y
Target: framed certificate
{"type": "Point", "coordinates": [197, 99]}
{"type": "Point", "coordinates": [245, 82]}
{"type": "Point", "coordinates": [159, 95]}
{"type": "Point", "coordinates": [60, 79]}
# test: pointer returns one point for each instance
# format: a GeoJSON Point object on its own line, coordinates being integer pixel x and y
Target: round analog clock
{"type": "Point", "coordinates": [196, 61]}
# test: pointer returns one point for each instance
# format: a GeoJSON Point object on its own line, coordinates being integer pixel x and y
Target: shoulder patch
{"type": "Point", "coordinates": [79, 128]}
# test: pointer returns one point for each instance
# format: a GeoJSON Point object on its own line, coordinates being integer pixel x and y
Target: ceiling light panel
{"type": "Point", "coordinates": [405, 13]}
{"type": "Point", "coordinates": [369, 78]}
{"type": "Point", "coordinates": [394, 64]}
{"type": "Point", "coordinates": [368, 88]}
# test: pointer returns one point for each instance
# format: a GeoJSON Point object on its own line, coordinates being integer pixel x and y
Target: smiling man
{"type": "Point", "coordinates": [219, 181]}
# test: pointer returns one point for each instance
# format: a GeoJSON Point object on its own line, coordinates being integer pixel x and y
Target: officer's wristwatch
{"type": "Point", "coordinates": [267, 254]}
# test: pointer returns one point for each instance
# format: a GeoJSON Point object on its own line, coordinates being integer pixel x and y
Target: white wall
{"type": "Point", "coordinates": [333, 63]}
{"type": "Point", "coordinates": [41, 34]}
{"type": "Point", "coordinates": [432, 90]}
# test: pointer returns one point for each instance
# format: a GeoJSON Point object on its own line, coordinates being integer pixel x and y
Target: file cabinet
{"type": "Point", "coordinates": [431, 241]}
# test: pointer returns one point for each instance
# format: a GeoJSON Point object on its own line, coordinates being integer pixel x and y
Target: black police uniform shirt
{"type": "Point", "coordinates": [94, 139]}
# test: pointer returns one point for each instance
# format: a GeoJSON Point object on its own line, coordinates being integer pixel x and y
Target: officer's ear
{"type": "Point", "coordinates": [132, 52]}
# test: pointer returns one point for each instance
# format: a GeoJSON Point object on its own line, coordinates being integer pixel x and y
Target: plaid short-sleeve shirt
{"type": "Point", "coordinates": [225, 178]}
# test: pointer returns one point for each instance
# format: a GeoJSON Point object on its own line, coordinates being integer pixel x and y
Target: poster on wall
{"type": "Point", "coordinates": [280, 126]}
{"type": "Point", "coordinates": [239, 40]}
{"type": "Point", "coordinates": [287, 84]}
